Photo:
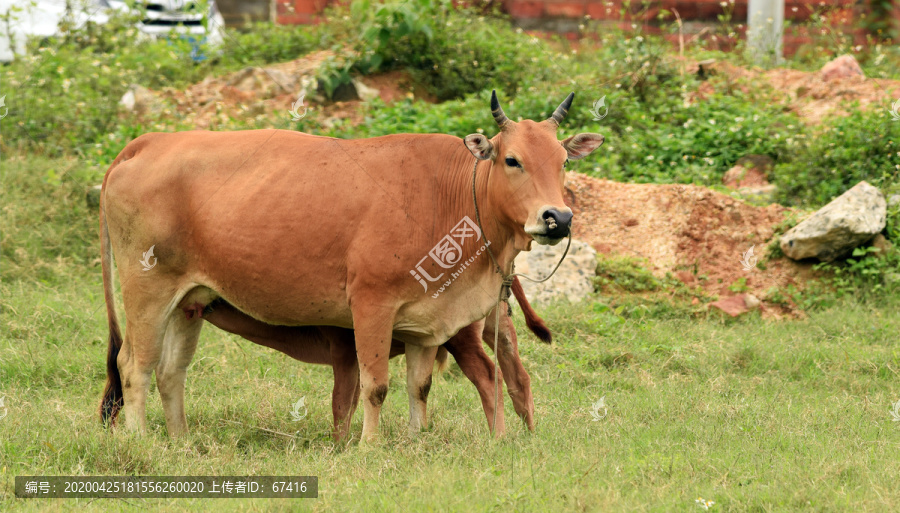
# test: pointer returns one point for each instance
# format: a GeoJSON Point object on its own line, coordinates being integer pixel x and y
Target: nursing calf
{"type": "Point", "coordinates": [334, 346]}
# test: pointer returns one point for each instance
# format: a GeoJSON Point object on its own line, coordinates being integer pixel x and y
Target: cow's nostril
{"type": "Point", "coordinates": [550, 219]}
{"type": "Point", "coordinates": [557, 222]}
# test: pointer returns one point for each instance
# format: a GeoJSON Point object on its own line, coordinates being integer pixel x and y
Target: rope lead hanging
{"type": "Point", "coordinates": [504, 292]}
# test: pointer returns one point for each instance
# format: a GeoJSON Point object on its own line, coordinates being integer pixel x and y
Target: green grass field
{"type": "Point", "coordinates": [754, 415]}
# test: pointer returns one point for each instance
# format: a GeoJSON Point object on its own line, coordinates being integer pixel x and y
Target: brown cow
{"type": "Point", "coordinates": [300, 230]}
{"type": "Point", "coordinates": [334, 346]}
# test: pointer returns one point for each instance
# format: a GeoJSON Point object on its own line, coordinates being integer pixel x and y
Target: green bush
{"type": "Point", "coordinates": [451, 51]}
{"type": "Point", "coordinates": [844, 151]}
{"type": "Point", "coordinates": [261, 43]}
{"type": "Point", "coordinates": [65, 94]}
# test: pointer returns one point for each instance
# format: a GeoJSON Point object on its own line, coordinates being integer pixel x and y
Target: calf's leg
{"type": "Point", "coordinates": [466, 349]}
{"type": "Point", "coordinates": [419, 366]}
{"type": "Point", "coordinates": [518, 382]}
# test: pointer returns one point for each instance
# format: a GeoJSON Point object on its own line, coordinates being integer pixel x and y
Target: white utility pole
{"type": "Point", "coordinates": [765, 28]}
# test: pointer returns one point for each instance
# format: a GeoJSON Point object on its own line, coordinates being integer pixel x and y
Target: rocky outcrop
{"type": "Point", "coordinates": [573, 280]}
{"type": "Point", "coordinates": [850, 220]}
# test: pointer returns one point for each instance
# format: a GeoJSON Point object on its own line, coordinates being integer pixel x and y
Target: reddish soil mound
{"type": "Point", "coordinates": [698, 235]}
{"type": "Point", "coordinates": [270, 92]}
{"type": "Point", "coordinates": [809, 94]}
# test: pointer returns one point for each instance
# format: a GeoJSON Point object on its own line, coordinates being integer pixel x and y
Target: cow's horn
{"type": "Point", "coordinates": [499, 116]}
{"type": "Point", "coordinates": [560, 113]}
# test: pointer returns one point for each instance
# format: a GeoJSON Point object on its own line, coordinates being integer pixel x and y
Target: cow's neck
{"type": "Point", "coordinates": [457, 184]}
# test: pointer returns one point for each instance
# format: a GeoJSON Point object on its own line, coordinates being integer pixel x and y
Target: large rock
{"type": "Point", "coordinates": [573, 280]}
{"type": "Point", "coordinates": [853, 218]}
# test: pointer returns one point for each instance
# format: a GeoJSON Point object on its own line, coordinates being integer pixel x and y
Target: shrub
{"type": "Point", "coordinates": [861, 146]}
{"type": "Point", "coordinates": [451, 51]}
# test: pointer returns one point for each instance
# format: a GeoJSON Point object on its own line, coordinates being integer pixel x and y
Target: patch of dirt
{"type": "Point", "coordinates": [273, 91]}
{"type": "Point", "coordinates": [396, 85]}
{"type": "Point", "coordinates": [697, 234]}
{"type": "Point", "coordinates": [809, 94]}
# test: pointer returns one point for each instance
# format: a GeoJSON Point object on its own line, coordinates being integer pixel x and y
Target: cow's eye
{"type": "Point", "coordinates": [566, 163]}
{"type": "Point", "coordinates": [511, 162]}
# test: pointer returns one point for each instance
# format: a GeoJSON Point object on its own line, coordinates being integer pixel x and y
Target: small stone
{"type": "Point", "coordinates": [751, 302]}
{"type": "Point", "coordinates": [882, 244]}
{"type": "Point", "coordinates": [843, 67]}
{"type": "Point", "coordinates": [731, 305]}
{"type": "Point", "coordinates": [365, 92]}
{"type": "Point", "coordinates": [749, 171]}
{"type": "Point", "coordinates": [685, 277]}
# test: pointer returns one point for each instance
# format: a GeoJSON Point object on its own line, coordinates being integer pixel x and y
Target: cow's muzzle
{"type": "Point", "coordinates": [554, 226]}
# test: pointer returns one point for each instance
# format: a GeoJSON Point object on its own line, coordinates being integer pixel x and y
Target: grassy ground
{"type": "Point", "coordinates": [754, 415]}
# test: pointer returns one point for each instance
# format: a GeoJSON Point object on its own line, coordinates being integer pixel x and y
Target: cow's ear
{"type": "Point", "coordinates": [581, 145]}
{"type": "Point", "coordinates": [480, 146]}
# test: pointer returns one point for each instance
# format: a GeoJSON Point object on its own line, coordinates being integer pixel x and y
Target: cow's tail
{"type": "Point", "coordinates": [532, 319]}
{"type": "Point", "coordinates": [112, 400]}
{"type": "Point", "coordinates": [442, 361]}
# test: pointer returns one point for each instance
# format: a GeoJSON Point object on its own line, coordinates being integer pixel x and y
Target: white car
{"type": "Point", "coordinates": [161, 18]}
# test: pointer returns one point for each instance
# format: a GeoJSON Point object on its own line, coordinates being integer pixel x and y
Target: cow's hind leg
{"type": "Point", "coordinates": [419, 366]}
{"type": "Point", "coordinates": [139, 355]}
{"type": "Point", "coordinates": [178, 349]}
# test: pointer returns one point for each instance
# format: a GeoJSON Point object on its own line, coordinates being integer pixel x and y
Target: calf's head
{"type": "Point", "coordinates": [527, 176]}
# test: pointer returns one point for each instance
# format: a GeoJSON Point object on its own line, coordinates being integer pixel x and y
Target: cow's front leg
{"type": "Point", "coordinates": [373, 346]}
{"type": "Point", "coordinates": [419, 366]}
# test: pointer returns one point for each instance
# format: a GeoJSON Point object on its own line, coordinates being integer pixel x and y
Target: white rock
{"type": "Point", "coordinates": [127, 100]}
{"type": "Point", "coordinates": [365, 92]}
{"type": "Point", "coordinates": [851, 219]}
{"type": "Point", "coordinates": [573, 280]}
